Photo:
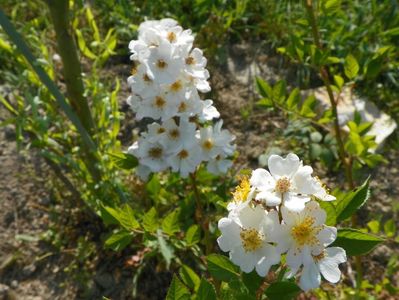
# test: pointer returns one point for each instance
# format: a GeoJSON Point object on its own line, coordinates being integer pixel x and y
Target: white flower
{"type": "Point", "coordinates": [219, 165]}
{"type": "Point", "coordinates": [214, 141]}
{"type": "Point", "coordinates": [156, 107]}
{"type": "Point", "coordinates": [185, 160]}
{"type": "Point", "coordinates": [303, 234]}
{"type": "Point", "coordinates": [141, 83]}
{"type": "Point", "coordinates": [247, 236]}
{"type": "Point", "coordinates": [325, 263]}
{"type": "Point", "coordinates": [178, 137]}
{"type": "Point", "coordinates": [164, 65]}
{"type": "Point", "coordinates": [151, 155]}
{"type": "Point", "coordinates": [208, 111]}
{"type": "Point", "coordinates": [289, 183]}
{"type": "Point", "coordinates": [195, 64]}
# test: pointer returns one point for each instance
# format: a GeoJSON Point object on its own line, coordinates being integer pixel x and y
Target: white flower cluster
{"type": "Point", "coordinates": [276, 213]}
{"type": "Point", "coordinates": [165, 82]}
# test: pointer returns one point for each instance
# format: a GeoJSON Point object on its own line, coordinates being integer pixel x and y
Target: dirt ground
{"type": "Point", "coordinates": [31, 269]}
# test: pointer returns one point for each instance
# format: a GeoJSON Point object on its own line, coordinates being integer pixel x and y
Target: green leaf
{"type": "Point", "coordinates": [279, 91]}
{"type": "Point", "coordinates": [339, 81]}
{"type": "Point", "coordinates": [293, 99]}
{"type": "Point", "coordinates": [189, 277]}
{"type": "Point", "coordinates": [124, 160]}
{"type": "Point", "coordinates": [252, 281]}
{"type": "Point", "coordinates": [356, 242]}
{"type": "Point", "coordinates": [124, 216]}
{"type": "Point", "coordinates": [329, 208]}
{"type": "Point", "coordinates": [351, 67]}
{"type": "Point", "coordinates": [177, 290]}
{"type": "Point", "coordinates": [390, 228]}
{"type": "Point", "coordinates": [82, 45]}
{"type": "Point", "coordinates": [282, 290]}
{"type": "Point", "coordinates": [307, 109]}
{"type": "Point", "coordinates": [221, 267]}
{"type": "Point", "coordinates": [150, 220]}
{"type": "Point", "coordinates": [119, 240]}
{"type": "Point", "coordinates": [374, 226]}
{"type": "Point", "coordinates": [206, 291]}
{"type": "Point", "coordinates": [166, 250]}
{"type": "Point", "coordinates": [193, 235]}
{"type": "Point", "coordinates": [264, 88]}
{"type": "Point", "coordinates": [355, 199]}
{"type": "Point", "coordinates": [170, 224]}
{"type": "Point", "coordinates": [265, 102]}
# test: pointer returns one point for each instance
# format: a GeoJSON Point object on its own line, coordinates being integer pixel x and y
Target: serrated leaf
{"type": "Point", "coordinates": [189, 277]}
{"type": "Point", "coordinates": [165, 249]}
{"type": "Point", "coordinates": [193, 235]}
{"type": "Point", "coordinates": [330, 211]}
{"type": "Point", "coordinates": [124, 216]}
{"type": "Point", "coordinates": [221, 267]}
{"type": "Point", "coordinates": [293, 99]}
{"type": "Point", "coordinates": [119, 240]}
{"type": "Point", "coordinates": [177, 290]}
{"type": "Point", "coordinates": [355, 199]}
{"type": "Point", "coordinates": [123, 160]}
{"type": "Point", "coordinates": [279, 91]}
{"type": "Point", "coordinates": [170, 224]}
{"type": "Point", "coordinates": [351, 67]}
{"type": "Point", "coordinates": [356, 242]}
{"type": "Point", "coordinates": [264, 88]}
{"type": "Point", "coordinates": [282, 290]}
{"type": "Point", "coordinates": [206, 291]}
{"type": "Point", "coordinates": [150, 220]}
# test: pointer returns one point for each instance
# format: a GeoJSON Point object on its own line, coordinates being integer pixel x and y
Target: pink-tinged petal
{"type": "Point", "coordinates": [260, 178]}
{"type": "Point", "coordinates": [270, 198]}
{"type": "Point", "coordinates": [327, 235]}
{"type": "Point", "coordinates": [279, 166]}
{"type": "Point", "coordinates": [329, 265]}
{"type": "Point", "coordinates": [295, 203]}
{"type": "Point", "coordinates": [310, 278]}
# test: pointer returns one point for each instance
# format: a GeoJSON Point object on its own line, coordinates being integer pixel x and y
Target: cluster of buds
{"type": "Point", "coordinates": [165, 81]}
{"type": "Point", "coordinates": [277, 213]}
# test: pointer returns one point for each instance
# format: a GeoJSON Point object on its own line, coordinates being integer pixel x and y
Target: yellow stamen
{"type": "Point", "coordinates": [183, 154]}
{"type": "Point", "coordinates": [305, 232]}
{"type": "Point", "coordinates": [251, 239]}
{"type": "Point", "coordinates": [283, 185]}
{"type": "Point", "coordinates": [171, 37]}
{"type": "Point", "coordinates": [155, 152]}
{"type": "Point", "coordinates": [159, 102]}
{"type": "Point", "coordinates": [242, 190]}
{"type": "Point", "coordinates": [161, 64]}
{"type": "Point", "coordinates": [174, 134]}
{"type": "Point", "coordinates": [182, 107]}
{"type": "Point", "coordinates": [207, 145]}
{"type": "Point", "coordinates": [190, 60]}
{"type": "Point", "coordinates": [176, 86]}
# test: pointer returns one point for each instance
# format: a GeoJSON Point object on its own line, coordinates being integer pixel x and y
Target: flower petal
{"type": "Point", "coordinates": [329, 265]}
{"type": "Point", "coordinates": [327, 235]}
{"type": "Point", "coordinates": [294, 202]}
{"type": "Point", "coordinates": [245, 260]}
{"type": "Point", "coordinates": [270, 198]}
{"type": "Point", "coordinates": [279, 166]}
{"type": "Point", "coordinates": [261, 177]}
{"type": "Point", "coordinates": [310, 277]}
{"type": "Point", "coordinates": [230, 237]}
{"type": "Point", "coordinates": [304, 182]}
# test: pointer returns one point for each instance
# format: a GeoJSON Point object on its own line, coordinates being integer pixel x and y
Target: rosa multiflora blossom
{"type": "Point", "coordinates": [166, 80]}
{"type": "Point", "coordinates": [277, 213]}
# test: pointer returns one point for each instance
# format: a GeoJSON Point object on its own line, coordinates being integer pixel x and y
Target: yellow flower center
{"type": "Point", "coordinates": [146, 78]}
{"type": "Point", "coordinates": [190, 60]}
{"type": "Point", "coordinates": [155, 152]}
{"type": "Point", "coordinates": [251, 239]}
{"type": "Point", "coordinates": [159, 102]}
{"type": "Point", "coordinates": [182, 107]}
{"type": "Point", "coordinates": [283, 185]}
{"type": "Point", "coordinates": [133, 71]}
{"type": "Point", "coordinates": [171, 37]}
{"type": "Point", "coordinates": [161, 64]}
{"type": "Point", "coordinates": [183, 154]}
{"type": "Point", "coordinates": [176, 86]}
{"type": "Point", "coordinates": [242, 190]}
{"type": "Point", "coordinates": [207, 145]}
{"type": "Point", "coordinates": [174, 134]}
{"type": "Point", "coordinates": [305, 232]}
{"type": "Point", "coordinates": [161, 130]}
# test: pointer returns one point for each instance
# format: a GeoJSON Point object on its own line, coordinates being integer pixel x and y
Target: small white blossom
{"type": "Point", "coordinates": [248, 236]}
{"type": "Point", "coordinates": [289, 183]}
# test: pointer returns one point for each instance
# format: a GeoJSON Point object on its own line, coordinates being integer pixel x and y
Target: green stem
{"type": "Point", "coordinates": [59, 10]}
{"type": "Point", "coordinates": [345, 159]}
